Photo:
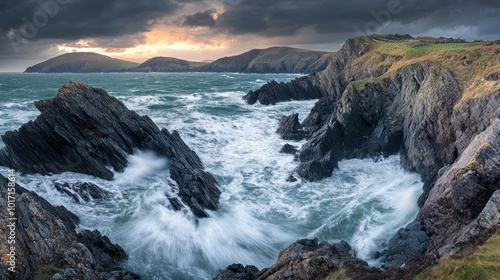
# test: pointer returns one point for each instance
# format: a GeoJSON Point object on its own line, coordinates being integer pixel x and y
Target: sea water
{"type": "Point", "coordinates": [364, 202]}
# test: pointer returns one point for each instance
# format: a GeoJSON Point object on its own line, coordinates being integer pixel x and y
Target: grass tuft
{"type": "Point", "coordinates": [483, 264]}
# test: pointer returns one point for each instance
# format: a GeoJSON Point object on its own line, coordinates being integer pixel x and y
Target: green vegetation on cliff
{"type": "Point", "coordinates": [483, 264]}
{"type": "Point", "coordinates": [476, 64]}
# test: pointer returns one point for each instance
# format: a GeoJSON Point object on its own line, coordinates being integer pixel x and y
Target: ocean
{"type": "Point", "coordinates": [364, 202]}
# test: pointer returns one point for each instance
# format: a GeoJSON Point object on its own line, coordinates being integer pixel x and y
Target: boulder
{"type": "Point", "coordinates": [85, 130]}
{"type": "Point", "coordinates": [290, 129]}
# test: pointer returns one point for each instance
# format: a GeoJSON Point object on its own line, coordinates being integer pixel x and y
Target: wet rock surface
{"type": "Point", "coordinates": [406, 246]}
{"type": "Point", "coordinates": [46, 237]}
{"type": "Point", "coordinates": [81, 191]}
{"type": "Point", "coordinates": [85, 130]}
{"type": "Point", "coordinates": [290, 129]}
{"type": "Point", "coordinates": [305, 259]}
{"type": "Point", "coordinates": [288, 149]}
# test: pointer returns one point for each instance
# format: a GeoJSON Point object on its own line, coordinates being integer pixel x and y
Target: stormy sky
{"type": "Point", "coordinates": [34, 30]}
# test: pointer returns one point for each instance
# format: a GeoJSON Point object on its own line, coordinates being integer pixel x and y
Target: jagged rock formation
{"type": "Point", "coordinates": [85, 130]}
{"type": "Point", "coordinates": [271, 60]}
{"type": "Point", "coordinates": [274, 92]}
{"type": "Point", "coordinates": [290, 129]}
{"type": "Point", "coordinates": [303, 260]}
{"type": "Point", "coordinates": [379, 98]}
{"type": "Point", "coordinates": [81, 62]}
{"type": "Point", "coordinates": [81, 191]}
{"type": "Point", "coordinates": [46, 237]}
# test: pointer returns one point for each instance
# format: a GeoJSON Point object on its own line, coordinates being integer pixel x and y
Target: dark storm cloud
{"type": "Point", "coordinates": [288, 17]}
{"type": "Point", "coordinates": [76, 19]}
{"type": "Point", "coordinates": [205, 18]}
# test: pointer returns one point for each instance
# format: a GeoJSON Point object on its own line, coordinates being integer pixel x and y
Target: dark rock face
{"type": "Point", "coordinates": [162, 64]}
{"type": "Point", "coordinates": [270, 60]}
{"type": "Point", "coordinates": [85, 130]}
{"type": "Point", "coordinates": [290, 128]}
{"type": "Point", "coordinates": [320, 155]}
{"type": "Point", "coordinates": [288, 149]}
{"type": "Point", "coordinates": [238, 272]}
{"type": "Point", "coordinates": [303, 260]}
{"type": "Point", "coordinates": [493, 77]}
{"type": "Point", "coordinates": [46, 235]}
{"type": "Point", "coordinates": [81, 191]}
{"type": "Point", "coordinates": [421, 115]}
{"type": "Point", "coordinates": [274, 92]}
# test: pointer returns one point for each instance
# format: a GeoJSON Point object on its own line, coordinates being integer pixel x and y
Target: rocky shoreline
{"type": "Point", "coordinates": [48, 244]}
{"type": "Point", "coordinates": [420, 112]}
{"type": "Point", "coordinates": [85, 130]}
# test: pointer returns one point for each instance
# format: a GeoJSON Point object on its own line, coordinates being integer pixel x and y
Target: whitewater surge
{"type": "Point", "coordinates": [364, 202]}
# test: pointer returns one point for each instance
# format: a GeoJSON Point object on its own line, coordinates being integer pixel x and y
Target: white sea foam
{"type": "Point", "coordinates": [141, 164]}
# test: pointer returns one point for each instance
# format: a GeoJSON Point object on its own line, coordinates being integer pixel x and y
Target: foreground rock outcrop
{"type": "Point", "coordinates": [81, 191]}
{"type": "Point", "coordinates": [85, 130]}
{"type": "Point", "coordinates": [305, 259]}
{"type": "Point", "coordinates": [47, 243]}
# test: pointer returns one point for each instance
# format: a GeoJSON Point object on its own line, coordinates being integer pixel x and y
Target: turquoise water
{"type": "Point", "coordinates": [364, 202]}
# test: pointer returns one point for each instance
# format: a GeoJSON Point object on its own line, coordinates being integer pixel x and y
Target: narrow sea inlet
{"type": "Point", "coordinates": [364, 202]}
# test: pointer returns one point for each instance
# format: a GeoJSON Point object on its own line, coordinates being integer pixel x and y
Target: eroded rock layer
{"type": "Point", "coordinates": [85, 130]}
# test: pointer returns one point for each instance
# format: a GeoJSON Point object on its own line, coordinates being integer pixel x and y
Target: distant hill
{"type": "Point", "coordinates": [81, 62]}
{"type": "Point", "coordinates": [271, 60]}
{"type": "Point", "coordinates": [165, 64]}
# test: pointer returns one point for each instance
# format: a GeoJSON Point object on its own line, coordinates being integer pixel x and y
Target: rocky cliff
{"type": "Point", "coordinates": [85, 130]}
{"type": "Point", "coordinates": [47, 244]}
{"type": "Point", "coordinates": [437, 105]}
